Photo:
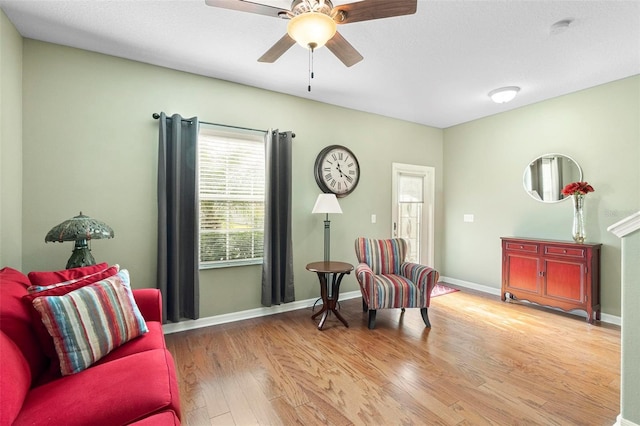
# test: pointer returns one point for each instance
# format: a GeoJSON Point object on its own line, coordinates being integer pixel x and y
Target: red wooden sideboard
{"type": "Point", "coordinates": [560, 274]}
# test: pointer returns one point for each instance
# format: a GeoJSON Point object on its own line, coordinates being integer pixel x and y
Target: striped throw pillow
{"type": "Point", "coordinates": [88, 323]}
{"type": "Point", "coordinates": [46, 342]}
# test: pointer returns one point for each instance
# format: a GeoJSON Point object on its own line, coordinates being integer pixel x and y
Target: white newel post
{"type": "Point", "coordinates": [629, 231]}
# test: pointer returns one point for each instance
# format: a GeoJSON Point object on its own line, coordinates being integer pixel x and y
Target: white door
{"type": "Point", "coordinates": [412, 214]}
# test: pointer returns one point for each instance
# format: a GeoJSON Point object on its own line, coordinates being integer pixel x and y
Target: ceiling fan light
{"type": "Point", "coordinates": [504, 94]}
{"type": "Point", "coordinates": [311, 29]}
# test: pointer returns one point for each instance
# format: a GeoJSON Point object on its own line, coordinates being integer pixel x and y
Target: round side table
{"type": "Point", "coordinates": [336, 270]}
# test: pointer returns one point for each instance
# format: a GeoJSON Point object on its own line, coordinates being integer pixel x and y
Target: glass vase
{"type": "Point", "coordinates": [578, 231]}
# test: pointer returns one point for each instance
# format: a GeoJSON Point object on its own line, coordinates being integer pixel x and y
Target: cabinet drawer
{"type": "Point", "coordinates": [521, 247]}
{"type": "Point", "coordinates": [576, 252]}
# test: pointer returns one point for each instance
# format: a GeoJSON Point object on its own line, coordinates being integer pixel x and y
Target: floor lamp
{"type": "Point", "coordinates": [327, 203]}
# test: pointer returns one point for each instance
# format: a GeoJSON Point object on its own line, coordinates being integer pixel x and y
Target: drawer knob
{"type": "Point", "coordinates": [564, 251]}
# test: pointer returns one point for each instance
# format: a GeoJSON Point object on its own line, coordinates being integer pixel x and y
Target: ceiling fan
{"type": "Point", "coordinates": [313, 22]}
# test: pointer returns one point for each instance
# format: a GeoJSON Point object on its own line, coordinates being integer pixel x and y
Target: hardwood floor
{"type": "Point", "coordinates": [483, 362]}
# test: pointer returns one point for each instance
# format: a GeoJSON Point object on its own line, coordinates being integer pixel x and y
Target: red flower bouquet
{"type": "Point", "coordinates": [577, 188]}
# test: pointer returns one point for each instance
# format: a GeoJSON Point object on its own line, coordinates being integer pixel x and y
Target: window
{"type": "Point", "coordinates": [232, 181]}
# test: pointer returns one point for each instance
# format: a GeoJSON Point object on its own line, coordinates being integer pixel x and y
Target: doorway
{"type": "Point", "coordinates": [412, 216]}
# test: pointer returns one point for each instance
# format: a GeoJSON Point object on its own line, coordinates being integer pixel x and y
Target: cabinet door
{"type": "Point", "coordinates": [564, 280]}
{"type": "Point", "coordinates": [522, 272]}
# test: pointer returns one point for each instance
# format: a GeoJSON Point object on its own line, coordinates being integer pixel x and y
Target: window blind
{"type": "Point", "coordinates": [232, 182]}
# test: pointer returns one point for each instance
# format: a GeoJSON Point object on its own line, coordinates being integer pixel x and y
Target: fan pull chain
{"type": "Point", "coordinates": [311, 48]}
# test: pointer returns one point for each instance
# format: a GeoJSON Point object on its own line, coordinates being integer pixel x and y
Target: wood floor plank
{"type": "Point", "coordinates": [301, 415]}
{"type": "Point", "coordinates": [528, 407]}
{"type": "Point", "coordinates": [203, 371]}
{"type": "Point", "coordinates": [322, 409]}
{"type": "Point", "coordinates": [418, 404]}
{"type": "Point", "coordinates": [225, 419]}
{"type": "Point", "coordinates": [483, 362]}
{"type": "Point", "coordinates": [200, 416]}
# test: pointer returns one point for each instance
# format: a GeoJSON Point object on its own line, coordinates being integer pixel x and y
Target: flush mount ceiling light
{"type": "Point", "coordinates": [560, 26]}
{"type": "Point", "coordinates": [504, 94]}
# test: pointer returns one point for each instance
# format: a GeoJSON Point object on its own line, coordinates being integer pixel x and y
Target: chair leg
{"type": "Point", "coordinates": [365, 307]}
{"type": "Point", "coordinates": [372, 319]}
{"type": "Point", "coordinates": [425, 317]}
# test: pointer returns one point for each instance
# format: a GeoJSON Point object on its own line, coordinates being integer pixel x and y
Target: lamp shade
{"type": "Point", "coordinates": [79, 228]}
{"type": "Point", "coordinates": [311, 29]}
{"type": "Point", "coordinates": [326, 203]}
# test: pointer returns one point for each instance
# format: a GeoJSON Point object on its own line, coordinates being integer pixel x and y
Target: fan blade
{"type": "Point", "coordinates": [277, 49]}
{"type": "Point", "coordinates": [367, 10]}
{"type": "Point", "coordinates": [247, 6]}
{"type": "Point", "coordinates": [340, 47]}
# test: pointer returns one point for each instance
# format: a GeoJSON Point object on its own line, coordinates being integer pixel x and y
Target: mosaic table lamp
{"type": "Point", "coordinates": [80, 229]}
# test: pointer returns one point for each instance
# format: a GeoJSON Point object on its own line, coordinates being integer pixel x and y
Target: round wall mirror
{"type": "Point", "coordinates": [545, 177]}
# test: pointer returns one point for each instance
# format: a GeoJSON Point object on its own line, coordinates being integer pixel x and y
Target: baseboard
{"type": "Point", "coordinates": [470, 285]}
{"type": "Point", "coordinates": [610, 319]}
{"type": "Point", "coordinates": [248, 314]}
{"type": "Point", "coordinates": [622, 422]}
{"type": "Point", "coordinates": [302, 304]}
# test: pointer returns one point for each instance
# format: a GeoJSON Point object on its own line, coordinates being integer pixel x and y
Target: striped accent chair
{"type": "Point", "coordinates": [387, 281]}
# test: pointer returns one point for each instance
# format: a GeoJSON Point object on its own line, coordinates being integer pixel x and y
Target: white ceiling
{"type": "Point", "coordinates": [434, 68]}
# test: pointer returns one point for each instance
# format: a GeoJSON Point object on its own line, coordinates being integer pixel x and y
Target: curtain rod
{"type": "Point", "coordinates": [157, 116]}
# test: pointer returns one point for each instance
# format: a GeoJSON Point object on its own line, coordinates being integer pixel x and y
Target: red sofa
{"type": "Point", "coordinates": [134, 384]}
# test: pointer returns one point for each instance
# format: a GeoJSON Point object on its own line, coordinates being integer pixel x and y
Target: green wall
{"type": "Point", "coordinates": [484, 164]}
{"type": "Point", "coordinates": [90, 145]}
{"type": "Point", "coordinates": [10, 144]}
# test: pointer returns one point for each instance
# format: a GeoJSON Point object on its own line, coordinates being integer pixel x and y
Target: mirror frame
{"type": "Point", "coordinates": [551, 154]}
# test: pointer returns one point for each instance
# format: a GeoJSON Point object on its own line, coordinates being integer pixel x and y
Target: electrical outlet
{"type": "Point", "coordinates": [468, 218]}
{"type": "Point", "coordinates": [373, 218]}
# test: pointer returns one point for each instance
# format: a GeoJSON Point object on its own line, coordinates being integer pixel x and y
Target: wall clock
{"type": "Point", "coordinates": [337, 170]}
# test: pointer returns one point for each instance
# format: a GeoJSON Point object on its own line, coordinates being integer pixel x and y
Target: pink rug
{"type": "Point", "coordinates": [441, 290]}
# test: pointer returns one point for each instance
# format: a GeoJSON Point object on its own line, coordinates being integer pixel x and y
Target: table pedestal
{"type": "Point", "coordinates": [336, 271]}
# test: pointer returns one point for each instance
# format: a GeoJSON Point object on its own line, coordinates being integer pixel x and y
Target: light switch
{"type": "Point", "coordinates": [468, 218]}
{"type": "Point", "coordinates": [373, 218]}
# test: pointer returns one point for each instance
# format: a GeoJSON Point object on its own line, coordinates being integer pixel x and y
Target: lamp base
{"type": "Point", "coordinates": [81, 256]}
{"type": "Point", "coordinates": [327, 238]}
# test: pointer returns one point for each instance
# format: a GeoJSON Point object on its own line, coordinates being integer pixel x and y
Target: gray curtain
{"type": "Point", "coordinates": [177, 273]}
{"type": "Point", "coordinates": [277, 268]}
